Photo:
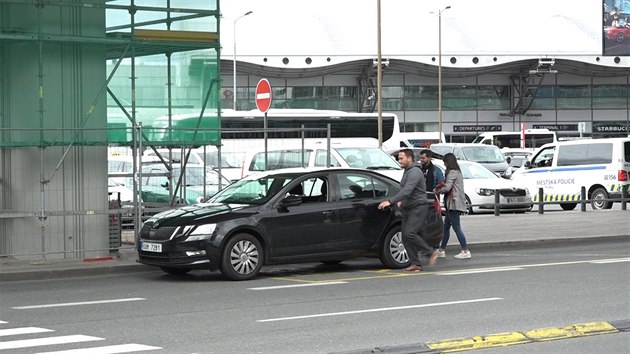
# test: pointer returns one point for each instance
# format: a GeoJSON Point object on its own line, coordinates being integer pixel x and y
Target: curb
{"type": "Point", "coordinates": [503, 339]}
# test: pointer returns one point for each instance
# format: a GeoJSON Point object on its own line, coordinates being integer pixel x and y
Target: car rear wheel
{"type": "Point", "coordinates": [393, 253]}
{"type": "Point", "coordinates": [598, 199]}
{"type": "Point", "coordinates": [620, 37]}
{"type": "Point", "coordinates": [568, 206]}
{"type": "Point", "coordinates": [175, 271]}
{"type": "Point", "coordinates": [242, 257]}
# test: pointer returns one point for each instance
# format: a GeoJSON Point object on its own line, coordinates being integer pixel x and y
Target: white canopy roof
{"type": "Point", "coordinates": [346, 30]}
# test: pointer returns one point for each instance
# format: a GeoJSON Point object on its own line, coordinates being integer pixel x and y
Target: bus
{"type": "Point", "coordinates": [244, 129]}
{"type": "Point", "coordinates": [534, 138]}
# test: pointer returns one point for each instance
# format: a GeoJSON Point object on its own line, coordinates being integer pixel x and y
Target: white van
{"type": "Point", "coordinates": [420, 139]}
{"type": "Point", "coordinates": [534, 138]}
{"type": "Point", "coordinates": [562, 168]}
{"type": "Point", "coordinates": [316, 155]}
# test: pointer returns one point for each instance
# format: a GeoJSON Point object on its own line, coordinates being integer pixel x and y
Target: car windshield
{"type": "Point", "coordinates": [194, 176]}
{"type": "Point", "coordinates": [474, 171]}
{"type": "Point", "coordinates": [253, 190]}
{"type": "Point", "coordinates": [483, 154]}
{"type": "Point", "coordinates": [442, 150]}
{"type": "Point", "coordinates": [371, 158]}
{"type": "Point", "coordinates": [228, 159]}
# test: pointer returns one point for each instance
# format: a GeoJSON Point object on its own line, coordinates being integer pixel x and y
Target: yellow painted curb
{"type": "Point", "coordinates": [479, 342]}
{"type": "Point", "coordinates": [577, 330]}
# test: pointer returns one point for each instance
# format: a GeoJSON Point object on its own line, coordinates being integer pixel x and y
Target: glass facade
{"type": "Point", "coordinates": [425, 98]}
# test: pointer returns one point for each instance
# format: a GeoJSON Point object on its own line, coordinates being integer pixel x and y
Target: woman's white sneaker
{"type": "Point", "coordinates": [463, 255]}
{"type": "Point", "coordinates": [441, 254]}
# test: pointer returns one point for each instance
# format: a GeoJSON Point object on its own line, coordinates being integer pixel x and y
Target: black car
{"type": "Point", "coordinates": [283, 216]}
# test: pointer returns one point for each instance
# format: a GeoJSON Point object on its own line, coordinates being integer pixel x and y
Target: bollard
{"type": "Point", "coordinates": [541, 196]}
{"type": "Point", "coordinates": [583, 198]}
{"type": "Point", "coordinates": [624, 196]}
{"type": "Point", "coordinates": [497, 202]}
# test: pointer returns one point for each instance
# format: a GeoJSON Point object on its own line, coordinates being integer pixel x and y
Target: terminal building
{"type": "Point", "coordinates": [78, 77]}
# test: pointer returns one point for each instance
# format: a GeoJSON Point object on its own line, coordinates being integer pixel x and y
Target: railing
{"type": "Point", "coordinates": [583, 201]}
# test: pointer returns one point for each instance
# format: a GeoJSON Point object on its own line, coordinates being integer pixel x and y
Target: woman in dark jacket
{"type": "Point", "coordinates": [455, 203]}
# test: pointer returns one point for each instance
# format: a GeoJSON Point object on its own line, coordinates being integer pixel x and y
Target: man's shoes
{"type": "Point", "coordinates": [463, 255]}
{"type": "Point", "coordinates": [433, 258]}
{"type": "Point", "coordinates": [441, 253]}
{"type": "Point", "coordinates": [414, 268]}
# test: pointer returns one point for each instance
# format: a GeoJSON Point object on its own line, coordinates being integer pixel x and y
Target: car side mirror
{"type": "Point", "coordinates": [527, 164]}
{"type": "Point", "coordinates": [508, 159]}
{"type": "Point", "coordinates": [291, 200]}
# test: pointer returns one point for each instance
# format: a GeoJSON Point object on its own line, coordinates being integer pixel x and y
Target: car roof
{"type": "Point", "coordinates": [305, 170]}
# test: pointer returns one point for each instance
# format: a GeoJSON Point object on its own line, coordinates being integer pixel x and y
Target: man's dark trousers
{"type": "Point", "coordinates": [412, 233]}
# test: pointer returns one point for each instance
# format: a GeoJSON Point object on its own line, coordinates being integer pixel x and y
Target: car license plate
{"type": "Point", "coordinates": [151, 247]}
{"type": "Point", "coordinates": [515, 200]}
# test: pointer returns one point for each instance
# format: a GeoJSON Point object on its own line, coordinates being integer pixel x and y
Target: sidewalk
{"type": "Point", "coordinates": [484, 230]}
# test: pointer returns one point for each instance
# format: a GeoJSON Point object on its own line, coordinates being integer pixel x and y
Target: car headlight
{"type": "Point", "coordinates": [485, 191]}
{"type": "Point", "coordinates": [200, 232]}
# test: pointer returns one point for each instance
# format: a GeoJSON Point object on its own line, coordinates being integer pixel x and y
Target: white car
{"type": "Point", "coordinates": [316, 155]}
{"type": "Point", "coordinates": [480, 185]}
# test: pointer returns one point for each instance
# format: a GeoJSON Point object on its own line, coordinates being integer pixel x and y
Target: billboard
{"type": "Point", "coordinates": [616, 38]}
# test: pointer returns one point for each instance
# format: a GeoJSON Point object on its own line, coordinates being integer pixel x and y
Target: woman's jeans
{"type": "Point", "coordinates": [452, 219]}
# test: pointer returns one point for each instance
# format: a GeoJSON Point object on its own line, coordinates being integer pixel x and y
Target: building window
{"type": "Point", "coordinates": [610, 96]}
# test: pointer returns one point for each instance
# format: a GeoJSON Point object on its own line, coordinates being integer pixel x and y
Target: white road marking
{"type": "Point", "coordinates": [262, 96]}
{"type": "Point", "coordinates": [36, 342]}
{"type": "Point", "coordinates": [111, 349]}
{"type": "Point", "coordinates": [3, 322]}
{"type": "Point", "coordinates": [298, 285]}
{"type": "Point", "coordinates": [382, 309]}
{"type": "Point", "coordinates": [606, 261]}
{"type": "Point", "coordinates": [479, 270]}
{"type": "Point", "coordinates": [78, 303]}
{"type": "Point", "coordinates": [23, 330]}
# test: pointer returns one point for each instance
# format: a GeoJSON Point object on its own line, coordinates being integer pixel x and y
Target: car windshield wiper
{"type": "Point", "coordinates": [382, 168]}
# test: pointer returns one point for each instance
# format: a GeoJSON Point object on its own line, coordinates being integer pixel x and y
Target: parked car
{"type": "Point", "coordinates": [231, 162]}
{"type": "Point", "coordinates": [157, 188]}
{"type": "Point", "coordinates": [316, 155]}
{"type": "Point", "coordinates": [120, 167]}
{"type": "Point", "coordinates": [285, 216]}
{"type": "Point", "coordinates": [617, 34]}
{"type": "Point", "coordinates": [488, 155]}
{"type": "Point", "coordinates": [480, 185]}
{"type": "Point", "coordinates": [516, 158]}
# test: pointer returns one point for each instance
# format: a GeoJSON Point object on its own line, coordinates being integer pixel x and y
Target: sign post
{"type": "Point", "coordinates": [263, 103]}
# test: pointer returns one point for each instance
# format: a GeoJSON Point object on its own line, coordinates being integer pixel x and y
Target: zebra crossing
{"type": "Point", "coordinates": [45, 344]}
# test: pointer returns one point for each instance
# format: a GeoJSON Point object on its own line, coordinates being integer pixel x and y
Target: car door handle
{"type": "Point", "coordinates": [328, 212]}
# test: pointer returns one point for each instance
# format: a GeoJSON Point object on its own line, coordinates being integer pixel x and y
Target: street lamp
{"type": "Point", "coordinates": [440, 69]}
{"type": "Point", "coordinates": [234, 60]}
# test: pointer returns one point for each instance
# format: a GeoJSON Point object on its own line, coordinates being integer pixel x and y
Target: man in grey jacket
{"type": "Point", "coordinates": [412, 201]}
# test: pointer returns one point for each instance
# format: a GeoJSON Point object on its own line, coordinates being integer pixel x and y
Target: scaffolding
{"type": "Point", "coordinates": [116, 32]}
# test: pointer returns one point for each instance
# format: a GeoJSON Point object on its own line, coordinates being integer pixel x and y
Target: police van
{"type": "Point", "coordinates": [562, 168]}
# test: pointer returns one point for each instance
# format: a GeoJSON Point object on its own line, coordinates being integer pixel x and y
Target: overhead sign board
{"type": "Point", "coordinates": [263, 95]}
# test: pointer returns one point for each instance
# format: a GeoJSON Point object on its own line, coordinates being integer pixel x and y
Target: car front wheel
{"type": "Point", "coordinates": [393, 253]}
{"type": "Point", "coordinates": [242, 257]}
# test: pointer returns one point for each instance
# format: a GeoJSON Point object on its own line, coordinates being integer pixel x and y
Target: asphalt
{"type": "Point", "coordinates": [487, 230]}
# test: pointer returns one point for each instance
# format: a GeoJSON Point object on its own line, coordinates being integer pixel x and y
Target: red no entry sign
{"type": "Point", "coordinates": [263, 95]}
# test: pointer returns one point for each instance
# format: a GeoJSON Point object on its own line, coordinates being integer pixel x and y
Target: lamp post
{"type": "Point", "coordinates": [234, 60]}
{"type": "Point", "coordinates": [440, 69]}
